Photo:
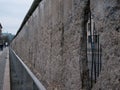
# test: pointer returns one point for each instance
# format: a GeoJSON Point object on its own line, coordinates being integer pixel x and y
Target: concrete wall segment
{"type": "Point", "coordinates": [53, 43]}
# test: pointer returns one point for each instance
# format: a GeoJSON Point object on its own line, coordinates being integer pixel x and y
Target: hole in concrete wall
{"type": "Point", "coordinates": [83, 40]}
{"type": "Point", "coordinates": [93, 50]}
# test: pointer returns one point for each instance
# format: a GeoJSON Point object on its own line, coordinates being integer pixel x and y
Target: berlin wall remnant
{"type": "Point", "coordinates": [52, 43]}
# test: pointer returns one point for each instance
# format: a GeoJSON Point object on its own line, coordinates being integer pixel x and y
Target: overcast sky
{"type": "Point", "coordinates": [12, 13]}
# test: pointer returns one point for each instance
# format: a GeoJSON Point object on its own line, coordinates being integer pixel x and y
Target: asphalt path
{"type": "Point", "coordinates": [3, 56]}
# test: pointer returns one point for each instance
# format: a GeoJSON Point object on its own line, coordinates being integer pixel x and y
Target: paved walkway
{"type": "Point", "coordinates": [3, 58]}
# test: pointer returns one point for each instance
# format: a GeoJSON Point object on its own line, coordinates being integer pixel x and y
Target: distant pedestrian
{"type": "Point", "coordinates": [6, 44]}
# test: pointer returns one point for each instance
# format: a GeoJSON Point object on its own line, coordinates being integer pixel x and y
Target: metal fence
{"type": "Point", "coordinates": [21, 76]}
{"type": "Point", "coordinates": [94, 51]}
{"type": "Point", "coordinates": [94, 64]}
{"type": "Point", "coordinates": [94, 54]}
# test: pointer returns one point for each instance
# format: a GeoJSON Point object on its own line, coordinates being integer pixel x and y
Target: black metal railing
{"type": "Point", "coordinates": [94, 51]}
{"type": "Point", "coordinates": [94, 64]}
{"type": "Point", "coordinates": [94, 54]}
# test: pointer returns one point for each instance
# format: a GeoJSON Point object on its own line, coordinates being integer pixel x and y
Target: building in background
{"type": "Point", "coordinates": [0, 29]}
{"type": "Point", "coordinates": [5, 38]}
{"type": "Point", "coordinates": [1, 40]}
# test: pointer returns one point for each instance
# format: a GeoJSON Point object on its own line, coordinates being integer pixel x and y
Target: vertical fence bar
{"type": "Point", "coordinates": [98, 57]}
{"type": "Point", "coordinates": [94, 54]}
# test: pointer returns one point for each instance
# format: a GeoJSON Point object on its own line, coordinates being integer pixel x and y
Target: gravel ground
{"type": "Point", "coordinates": [2, 66]}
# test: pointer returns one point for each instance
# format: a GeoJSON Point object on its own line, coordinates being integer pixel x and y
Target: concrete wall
{"type": "Point", "coordinates": [107, 17]}
{"type": "Point", "coordinates": [53, 43]}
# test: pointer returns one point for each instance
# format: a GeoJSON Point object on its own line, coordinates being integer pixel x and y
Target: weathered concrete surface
{"type": "Point", "coordinates": [53, 43]}
{"type": "Point", "coordinates": [107, 17]}
{"type": "Point", "coordinates": [49, 44]}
